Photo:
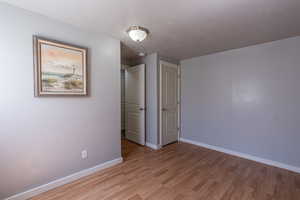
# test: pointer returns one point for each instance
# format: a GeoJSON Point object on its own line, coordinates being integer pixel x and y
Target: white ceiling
{"type": "Point", "coordinates": [179, 28]}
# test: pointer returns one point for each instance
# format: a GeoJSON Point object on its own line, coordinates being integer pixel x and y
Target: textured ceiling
{"type": "Point", "coordinates": [179, 28]}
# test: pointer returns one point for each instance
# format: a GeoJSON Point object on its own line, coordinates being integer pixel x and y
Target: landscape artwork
{"type": "Point", "coordinates": [60, 68]}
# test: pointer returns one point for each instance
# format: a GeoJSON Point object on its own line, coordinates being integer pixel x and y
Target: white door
{"type": "Point", "coordinates": [169, 103]}
{"type": "Point", "coordinates": [135, 104]}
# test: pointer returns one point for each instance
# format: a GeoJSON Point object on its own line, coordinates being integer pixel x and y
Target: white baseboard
{"type": "Point", "coordinates": [62, 181]}
{"type": "Point", "coordinates": [152, 146]}
{"type": "Point", "coordinates": [244, 155]}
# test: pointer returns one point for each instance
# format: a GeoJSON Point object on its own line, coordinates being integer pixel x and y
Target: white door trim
{"type": "Point", "coordinates": [160, 99]}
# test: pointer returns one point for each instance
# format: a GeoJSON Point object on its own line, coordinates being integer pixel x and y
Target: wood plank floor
{"type": "Point", "coordinates": [181, 172]}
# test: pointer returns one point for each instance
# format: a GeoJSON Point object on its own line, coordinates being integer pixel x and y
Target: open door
{"type": "Point", "coordinates": [169, 103]}
{"type": "Point", "coordinates": [135, 104]}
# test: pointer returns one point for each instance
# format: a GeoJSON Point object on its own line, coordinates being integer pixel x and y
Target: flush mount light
{"type": "Point", "coordinates": [137, 33]}
{"type": "Point", "coordinates": [141, 54]}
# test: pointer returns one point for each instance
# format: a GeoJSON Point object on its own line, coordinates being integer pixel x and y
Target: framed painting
{"type": "Point", "coordinates": [60, 68]}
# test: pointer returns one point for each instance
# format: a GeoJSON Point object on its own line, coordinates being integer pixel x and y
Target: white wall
{"type": "Point", "coordinates": [246, 100]}
{"type": "Point", "coordinates": [41, 138]}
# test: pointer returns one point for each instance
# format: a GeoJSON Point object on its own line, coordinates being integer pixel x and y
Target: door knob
{"type": "Point", "coordinates": [141, 109]}
{"type": "Point", "coordinates": [164, 109]}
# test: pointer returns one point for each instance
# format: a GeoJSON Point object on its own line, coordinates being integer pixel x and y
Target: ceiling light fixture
{"type": "Point", "coordinates": [141, 54]}
{"type": "Point", "coordinates": [137, 33]}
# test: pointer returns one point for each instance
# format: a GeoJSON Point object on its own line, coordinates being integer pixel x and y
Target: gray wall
{"type": "Point", "coordinates": [246, 100]}
{"type": "Point", "coordinates": [41, 138]}
{"type": "Point", "coordinates": [151, 62]}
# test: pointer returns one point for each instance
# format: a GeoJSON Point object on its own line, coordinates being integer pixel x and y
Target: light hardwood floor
{"type": "Point", "coordinates": [181, 172]}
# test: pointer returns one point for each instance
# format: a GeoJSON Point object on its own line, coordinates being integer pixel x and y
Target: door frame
{"type": "Point", "coordinates": [160, 100]}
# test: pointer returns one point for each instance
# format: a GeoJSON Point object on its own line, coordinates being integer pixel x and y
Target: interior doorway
{"type": "Point", "coordinates": [169, 109]}
{"type": "Point", "coordinates": [135, 104]}
{"type": "Point", "coordinates": [150, 105]}
{"type": "Point", "coordinates": [133, 107]}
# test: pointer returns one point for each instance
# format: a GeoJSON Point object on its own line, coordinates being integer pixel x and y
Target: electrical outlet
{"type": "Point", "coordinates": [84, 154]}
